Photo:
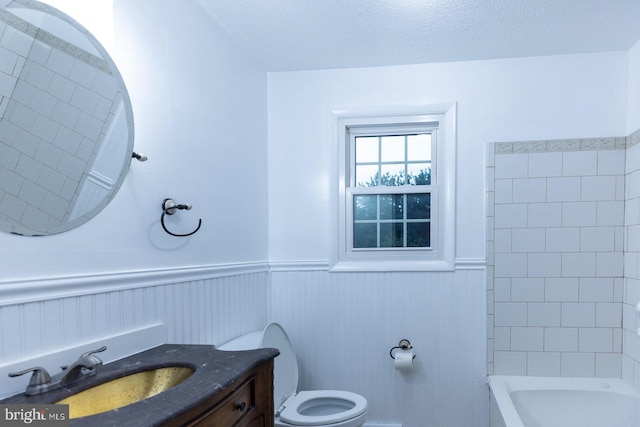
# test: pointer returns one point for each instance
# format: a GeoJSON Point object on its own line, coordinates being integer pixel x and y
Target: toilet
{"type": "Point", "coordinates": [319, 408]}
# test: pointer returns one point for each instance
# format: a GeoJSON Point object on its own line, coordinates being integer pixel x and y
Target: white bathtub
{"type": "Point", "coordinates": [519, 401]}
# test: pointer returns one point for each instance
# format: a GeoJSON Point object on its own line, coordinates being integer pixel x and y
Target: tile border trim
{"type": "Point", "coordinates": [587, 144]}
{"type": "Point", "coordinates": [577, 144]}
{"type": "Point", "coordinates": [633, 139]}
{"type": "Point", "coordinates": [54, 42]}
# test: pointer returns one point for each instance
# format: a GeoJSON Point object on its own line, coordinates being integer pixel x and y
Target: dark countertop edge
{"type": "Point", "coordinates": [215, 370]}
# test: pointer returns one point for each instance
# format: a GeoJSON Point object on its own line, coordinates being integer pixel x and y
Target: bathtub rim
{"type": "Point", "coordinates": [500, 387]}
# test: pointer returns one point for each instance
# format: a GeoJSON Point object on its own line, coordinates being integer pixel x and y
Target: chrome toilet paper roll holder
{"type": "Point", "coordinates": [404, 344]}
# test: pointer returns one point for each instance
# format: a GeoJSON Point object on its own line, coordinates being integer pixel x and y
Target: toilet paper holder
{"type": "Point", "coordinates": [404, 344]}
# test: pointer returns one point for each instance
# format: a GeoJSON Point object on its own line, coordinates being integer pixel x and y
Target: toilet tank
{"type": "Point", "coordinates": [250, 341]}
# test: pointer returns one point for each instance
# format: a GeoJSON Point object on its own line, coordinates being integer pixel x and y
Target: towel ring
{"type": "Point", "coordinates": [170, 207]}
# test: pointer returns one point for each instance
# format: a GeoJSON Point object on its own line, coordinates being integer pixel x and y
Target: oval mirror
{"type": "Point", "coordinates": [66, 123]}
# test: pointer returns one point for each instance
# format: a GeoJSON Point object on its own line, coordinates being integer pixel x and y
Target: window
{"type": "Point", "coordinates": [390, 187]}
{"type": "Point", "coordinates": [395, 204]}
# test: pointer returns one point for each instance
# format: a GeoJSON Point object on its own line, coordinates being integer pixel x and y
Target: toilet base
{"type": "Point", "coordinates": [353, 422]}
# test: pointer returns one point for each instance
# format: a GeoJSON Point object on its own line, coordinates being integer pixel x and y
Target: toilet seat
{"type": "Point", "coordinates": [322, 407]}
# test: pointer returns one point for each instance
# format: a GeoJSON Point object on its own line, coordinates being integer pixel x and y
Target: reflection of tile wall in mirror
{"type": "Point", "coordinates": [60, 108]}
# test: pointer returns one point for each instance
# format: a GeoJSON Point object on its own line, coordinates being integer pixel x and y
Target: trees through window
{"type": "Point", "coordinates": [390, 186]}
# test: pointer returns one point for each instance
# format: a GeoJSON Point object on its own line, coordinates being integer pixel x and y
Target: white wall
{"type": "Point", "coordinates": [633, 101]}
{"type": "Point", "coordinates": [443, 314]}
{"type": "Point", "coordinates": [97, 17]}
{"type": "Point", "coordinates": [631, 340]}
{"type": "Point", "coordinates": [503, 100]}
{"type": "Point", "coordinates": [200, 115]}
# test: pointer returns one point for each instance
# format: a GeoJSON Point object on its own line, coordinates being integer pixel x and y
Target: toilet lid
{"type": "Point", "coordinates": [285, 369]}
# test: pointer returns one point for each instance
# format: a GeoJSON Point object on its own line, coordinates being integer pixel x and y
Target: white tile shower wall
{"type": "Point", "coordinates": [631, 340]}
{"type": "Point", "coordinates": [207, 311]}
{"type": "Point", "coordinates": [556, 234]}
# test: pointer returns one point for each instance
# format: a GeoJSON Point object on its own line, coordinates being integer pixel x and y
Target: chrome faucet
{"type": "Point", "coordinates": [42, 382]}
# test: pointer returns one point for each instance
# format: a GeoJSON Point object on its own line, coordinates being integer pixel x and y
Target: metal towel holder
{"type": "Point", "coordinates": [170, 207]}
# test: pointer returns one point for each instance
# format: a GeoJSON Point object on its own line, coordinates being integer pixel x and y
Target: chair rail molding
{"type": "Point", "coordinates": [42, 289]}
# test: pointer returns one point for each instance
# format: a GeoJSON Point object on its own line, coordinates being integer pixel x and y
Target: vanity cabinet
{"type": "Point", "coordinates": [226, 389]}
{"type": "Point", "coordinates": [248, 402]}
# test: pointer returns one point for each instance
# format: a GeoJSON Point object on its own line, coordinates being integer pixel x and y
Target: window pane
{"type": "Point", "coordinates": [391, 220]}
{"type": "Point", "coordinates": [367, 149]}
{"type": "Point", "coordinates": [392, 175]}
{"type": "Point", "coordinates": [391, 235]}
{"type": "Point", "coordinates": [391, 206]}
{"type": "Point", "coordinates": [419, 174]}
{"type": "Point", "coordinates": [419, 235]}
{"type": "Point", "coordinates": [367, 176]}
{"type": "Point", "coordinates": [365, 207]}
{"type": "Point", "coordinates": [365, 236]}
{"type": "Point", "coordinates": [392, 148]}
{"type": "Point", "coordinates": [419, 206]}
{"type": "Point", "coordinates": [419, 147]}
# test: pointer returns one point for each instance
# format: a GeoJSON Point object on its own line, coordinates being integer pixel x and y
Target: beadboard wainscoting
{"type": "Point", "coordinates": [342, 326]}
{"type": "Point", "coordinates": [207, 306]}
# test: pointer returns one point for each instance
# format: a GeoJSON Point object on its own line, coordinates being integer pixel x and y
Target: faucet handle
{"type": "Point", "coordinates": [39, 377]}
{"type": "Point", "coordinates": [98, 350]}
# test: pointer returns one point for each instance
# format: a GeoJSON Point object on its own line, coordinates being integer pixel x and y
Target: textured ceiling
{"type": "Point", "coordinates": [318, 34]}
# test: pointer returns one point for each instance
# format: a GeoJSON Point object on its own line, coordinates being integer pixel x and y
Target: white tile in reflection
{"type": "Point", "coordinates": [28, 168]}
{"type": "Point", "coordinates": [89, 126]}
{"type": "Point", "coordinates": [60, 62]}
{"type": "Point", "coordinates": [16, 41]}
{"type": "Point", "coordinates": [40, 52]}
{"type": "Point", "coordinates": [7, 84]}
{"type": "Point", "coordinates": [71, 166]}
{"type": "Point", "coordinates": [62, 88]}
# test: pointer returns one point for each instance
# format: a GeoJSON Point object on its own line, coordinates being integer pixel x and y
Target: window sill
{"type": "Point", "coordinates": [359, 266]}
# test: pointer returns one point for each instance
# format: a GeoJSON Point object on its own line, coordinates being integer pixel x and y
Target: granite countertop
{"type": "Point", "coordinates": [215, 370]}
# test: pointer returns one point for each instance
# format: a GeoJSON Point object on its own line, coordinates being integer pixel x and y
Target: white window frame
{"type": "Point", "coordinates": [440, 256]}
